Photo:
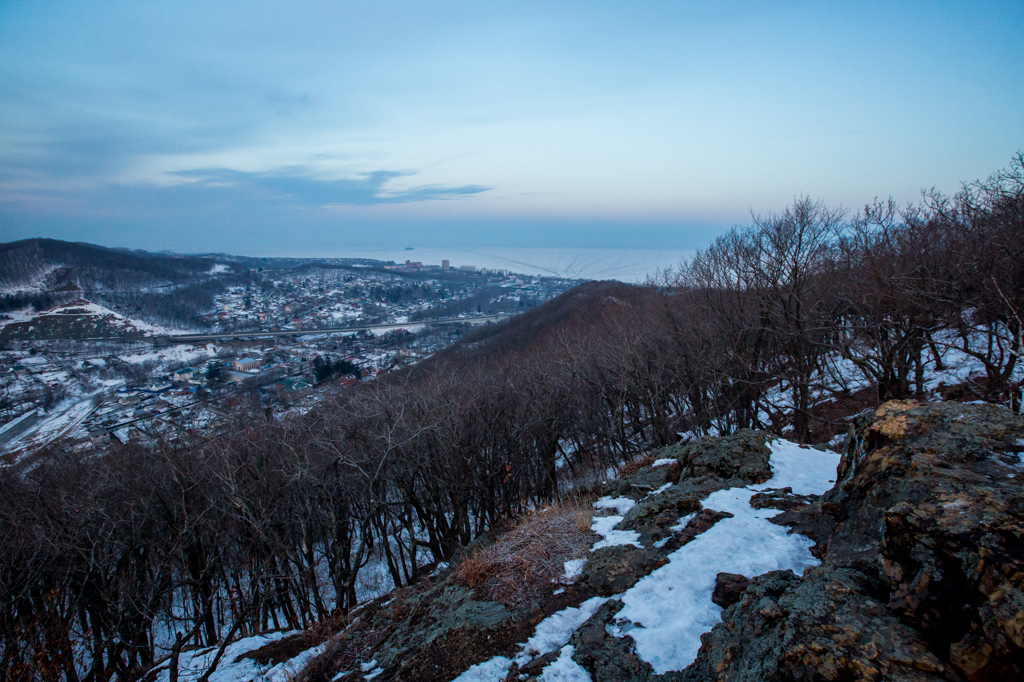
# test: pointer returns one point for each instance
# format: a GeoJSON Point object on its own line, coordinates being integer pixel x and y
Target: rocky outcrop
{"type": "Point", "coordinates": [729, 588]}
{"type": "Point", "coordinates": [923, 547]}
{"type": "Point", "coordinates": [606, 657]}
{"type": "Point", "coordinates": [615, 569]}
{"type": "Point", "coordinates": [826, 626]}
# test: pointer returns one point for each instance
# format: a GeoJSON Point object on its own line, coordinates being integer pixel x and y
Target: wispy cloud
{"type": "Point", "coordinates": [295, 188]}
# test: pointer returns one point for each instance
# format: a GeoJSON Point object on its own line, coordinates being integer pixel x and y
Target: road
{"type": "Point", "coordinates": [260, 333]}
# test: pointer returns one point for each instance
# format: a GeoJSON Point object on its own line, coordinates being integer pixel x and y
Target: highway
{"type": "Point", "coordinates": [262, 333]}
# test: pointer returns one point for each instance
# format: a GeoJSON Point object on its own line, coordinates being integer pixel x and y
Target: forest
{"type": "Point", "coordinates": [170, 290]}
{"type": "Point", "coordinates": [115, 559]}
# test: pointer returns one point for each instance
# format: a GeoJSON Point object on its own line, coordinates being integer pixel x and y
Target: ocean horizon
{"type": "Point", "coordinates": [625, 265]}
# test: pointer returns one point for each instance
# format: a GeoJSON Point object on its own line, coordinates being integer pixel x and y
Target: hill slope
{"type": "Point", "coordinates": [736, 558]}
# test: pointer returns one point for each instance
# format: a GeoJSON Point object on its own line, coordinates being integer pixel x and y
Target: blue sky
{"type": "Point", "coordinates": [200, 126]}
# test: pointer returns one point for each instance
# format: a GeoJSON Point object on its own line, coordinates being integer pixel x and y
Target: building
{"type": "Point", "coordinates": [246, 364]}
{"type": "Point", "coordinates": [184, 374]}
{"type": "Point", "coordinates": [445, 265]}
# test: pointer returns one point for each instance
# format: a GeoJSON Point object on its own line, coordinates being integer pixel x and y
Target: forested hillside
{"type": "Point", "coordinates": [790, 324]}
{"type": "Point", "coordinates": [155, 287]}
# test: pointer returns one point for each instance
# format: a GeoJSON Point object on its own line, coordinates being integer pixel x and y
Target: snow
{"type": "Point", "coordinates": [673, 606]}
{"type": "Point", "coordinates": [192, 664]}
{"type": "Point", "coordinates": [659, 490]}
{"type": "Point", "coordinates": [217, 269]}
{"type": "Point", "coordinates": [682, 523]}
{"type": "Point", "coordinates": [554, 631]}
{"type": "Point", "coordinates": [605, 527]}
{"type": "Point", "coordinates": [573, 571]}
{"type": "Point", "coordinates": [21, 315]}
{"type": "Point", "coordinates": [806, 470]}
{"type": "Point", "coordinates": [564, 669]}
{"type": "Point", "coordinates": [551, 634]}
{"type": "Point", "coordinates": [664, 461]}
{"type": "Point", "coordinates": [619, 504]}
{"type": "Point", "coordinates": [171, 354]}
{"type": "Point", "coordinates": [65, 416]}
{"type": "Point", "coordinates": [17, 420]}
{"type": "Point", "coordinates": [492, 670]}
{"type": "Point", "coordinates": [287, 670]}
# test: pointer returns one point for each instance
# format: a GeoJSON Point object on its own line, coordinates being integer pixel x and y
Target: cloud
{"type": "Point", "coordinates": [294, 188]}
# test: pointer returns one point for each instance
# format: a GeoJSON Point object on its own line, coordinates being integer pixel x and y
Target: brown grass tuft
{"type": "Point", "coordinates": [521, 565]}
{"type": "Point", "coordinates": [635, 465]}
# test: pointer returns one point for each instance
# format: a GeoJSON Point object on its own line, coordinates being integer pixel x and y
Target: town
{"type": "Point", "coordinates": [100, 366]}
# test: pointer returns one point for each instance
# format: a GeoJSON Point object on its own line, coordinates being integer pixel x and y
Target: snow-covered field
{"type": "Point", "coordinates": [61, 421]}
{"type": "Point", "coordinates": [86, 308]}
{"type": "Point", "coordinates": [172, 355]}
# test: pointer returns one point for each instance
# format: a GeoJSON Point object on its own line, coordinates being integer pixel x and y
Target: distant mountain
{"type": "Point", "coordinates": [50, 265]}
{"type": "Point", "coordinates": [160, 288]}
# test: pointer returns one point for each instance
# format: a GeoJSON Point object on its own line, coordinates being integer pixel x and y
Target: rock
{"type": "Point", "coordinates": [605, 657]}
{"type": "Point", "coordinates": [743, 455]}
{"type": "Point", "coordinates": [923, 568]}
{"type": "Point", "coordinates": [537, 665]}
{"type": "Point", "coordinates": [640, 484]}
{"type": "Point", "coordinates": [811, 522]}
{"type": "Point", "coordinates": [655, 515]}
{"type": "Point", "coordinates": [783, 499]}
{"type": "Point", "coordinates": [729, 588]}
{"type": "Point", "coordinates": [935, 489]}
{"type": "Point", "coordinates": [611, 570]}
{"type": "Point", "coordinates": [921, 577]}
{"type": "Point", "coordinates": [826, 626]}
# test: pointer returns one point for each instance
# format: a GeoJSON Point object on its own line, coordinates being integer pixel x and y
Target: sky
{"type": "Point", "coordinates": [252, 127]}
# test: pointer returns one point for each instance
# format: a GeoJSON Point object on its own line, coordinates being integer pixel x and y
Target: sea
{"type": "Point", "coordinates": [625, 265]}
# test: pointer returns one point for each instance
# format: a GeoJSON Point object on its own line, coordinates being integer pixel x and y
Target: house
{"type": "Point", "coordinates": [290, 388]}
{"type": "Point", "coordinates": [246, 364]}
{"type": "Point", "coordinates": [183, 374]}
{"type": "Point", "coordinates": [157, 387]}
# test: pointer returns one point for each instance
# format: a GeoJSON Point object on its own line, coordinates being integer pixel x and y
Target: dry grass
{"type": "Point", "coordinates": [635, 465]}
{"type": "Point", "coordinates": [521, 565]}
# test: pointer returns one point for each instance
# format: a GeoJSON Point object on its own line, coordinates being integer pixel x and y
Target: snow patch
{"type": "Point", "coordinates": [551, 634]}
{"type": "Point", "coordinates": [605, 527]}
{"type": "Point", "coordinates": [806, 470]}
{"type": "Point", "coordinates": [555, 630]}
{"type": "Point", "coordinates": [564, 669]}
{"type": "Point", "coordinates": [673, 606]}
{"type": "Point", "coordinates": [682, 523]}
{"type": "Point", "coordinates": [573, 571]}
{"type": "Point", "coordinates": [492, 670]}
{"type": "Point", "coordinates": [619, 504]}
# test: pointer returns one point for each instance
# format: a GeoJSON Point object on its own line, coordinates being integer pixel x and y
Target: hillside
{"type": "Point", "coordinates": [50, 265]}
{"type": "Point", "coordinates": [150, 288]}
{"type": "Point", "coordinates": [583, 306]}
{"type": "Point", "coordinates": [737, 558]}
